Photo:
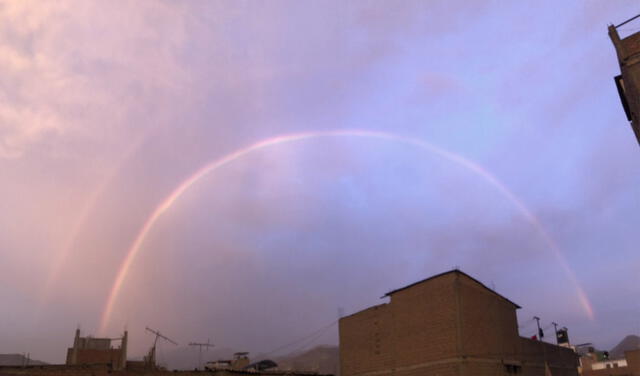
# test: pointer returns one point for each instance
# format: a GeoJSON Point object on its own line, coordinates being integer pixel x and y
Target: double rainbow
{"type": "Point", "coordinates": [170, 200]}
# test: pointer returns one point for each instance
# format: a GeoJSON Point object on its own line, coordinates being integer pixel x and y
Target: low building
{"type": "Point", "coordinates": [97, 351]}
{"type": "Point", "coordinates": [449, 324]}
{"type": "Point", "coordinates": [628, 366]}
{"type": "Point", "coordinates": [240, 361]}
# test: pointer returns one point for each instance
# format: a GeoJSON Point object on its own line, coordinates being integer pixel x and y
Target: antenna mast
{"type": "Point", "coordinates": [200, 346]}
{"type": "Point", "coordinates": [540, 332]}
{"type": "Point", "coordinates": [555, 329]}
{"type": "Point", "coordinates": [151, 358]}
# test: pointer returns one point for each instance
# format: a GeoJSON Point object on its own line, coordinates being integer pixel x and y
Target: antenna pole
{"type": "Point", "coordinates": [540, 333]}
{"type": "Point", "coordinates": [555, 328]}
{"type": "Point", "coordinates": [200, 346]}
{"type": "Point", "coordinates": [152, 352]}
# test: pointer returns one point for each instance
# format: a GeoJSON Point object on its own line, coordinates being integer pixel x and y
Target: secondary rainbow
{"type": "Point", "coordinates": [135, 247]}
{"type": "Point", "coordinates": [63, 254]}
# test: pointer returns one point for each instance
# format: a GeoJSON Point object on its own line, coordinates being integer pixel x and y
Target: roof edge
{"type": "Point", "coordinates": [455, 271]}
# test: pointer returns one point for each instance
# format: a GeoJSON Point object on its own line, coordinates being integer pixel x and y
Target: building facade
{"type": "Point", "coordinates": [97, 351]}
{"type": "Point", "coordinates": [449, 324]}
{"type": "Point", "coordinates": [628, 82]}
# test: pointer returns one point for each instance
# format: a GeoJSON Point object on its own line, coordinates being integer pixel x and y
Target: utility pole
{"type": "Point", "coordinates": [544, 350]}
{"type": "Point", "coordinates": [200, 346]}
{"type": "Point", "coordinates": [540, 332]}
{"type": "Point", "coordinates": [555, 329]}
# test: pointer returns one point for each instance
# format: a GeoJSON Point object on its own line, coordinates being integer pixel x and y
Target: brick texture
{"type": "Point", "coordinates": [447, 325]}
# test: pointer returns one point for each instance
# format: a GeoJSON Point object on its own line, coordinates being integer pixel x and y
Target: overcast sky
{"type": "Point", "coordinates": [107, 107]}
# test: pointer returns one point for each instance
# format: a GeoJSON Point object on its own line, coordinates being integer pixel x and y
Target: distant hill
{"type": "Point", "coordinates": [322, 359]}
{"type": "Point", "coordinates": [17, 360]}
{"type": "Point", "coordinates": [631, 342]}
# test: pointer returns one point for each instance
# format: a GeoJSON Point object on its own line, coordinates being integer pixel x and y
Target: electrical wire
{"type": "Point", "coordinates": [308, 344]}
{"type": "Point", "coordinates": [526, 323]}
{"type": "Point", "coordinates": [314, 334]}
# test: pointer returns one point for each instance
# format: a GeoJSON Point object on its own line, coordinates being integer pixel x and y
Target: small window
{"type": "Point", "coordinates": [512, 369]}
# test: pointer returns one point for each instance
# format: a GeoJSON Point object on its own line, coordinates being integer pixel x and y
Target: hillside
{"type": "Point", "coordinates": [322, 359]}
{"type": "Point", "coordinates": [630, 342]}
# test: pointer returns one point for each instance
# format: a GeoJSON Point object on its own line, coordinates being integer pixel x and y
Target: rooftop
{"type": "Point", "coordinates": [454, 271]}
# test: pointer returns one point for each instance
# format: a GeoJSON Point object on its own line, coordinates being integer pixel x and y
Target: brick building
{"type": "Point", "coordinates": [448, 324]}
{"type": "Point", "coordinates": [628, 82]}
{"type": "Point", "coordinates": [629, 366]}
{"type": "Point", "coordinates": [97, 351]}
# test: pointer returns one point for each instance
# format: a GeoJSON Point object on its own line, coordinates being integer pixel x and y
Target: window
{"type": "Point", "coordinates": [512, 369]}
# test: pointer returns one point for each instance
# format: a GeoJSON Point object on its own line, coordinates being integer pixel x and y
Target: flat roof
{"type": "Point", "coordinates": [459, 272]}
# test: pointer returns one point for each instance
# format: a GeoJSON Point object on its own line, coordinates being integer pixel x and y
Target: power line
{"type": "Point", "coordinates": [200, 346]}
{"type": "Point", "coordinates": [303, 338]}
{"type": "Point", "coordinates": [526, 323]}
{"type": "Point", "coordinates": [308, 343]}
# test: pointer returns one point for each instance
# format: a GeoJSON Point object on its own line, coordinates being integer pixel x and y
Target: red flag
{"type": "Point", "coordinates": [534, 337]}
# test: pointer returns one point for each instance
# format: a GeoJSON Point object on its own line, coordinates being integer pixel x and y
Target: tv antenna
{"type": "Point", "coordinates": [151, 358]}
{"type": "Point", "coordinates": [540, 332]}
{"type": "Point", "coordinates": [200, 346]}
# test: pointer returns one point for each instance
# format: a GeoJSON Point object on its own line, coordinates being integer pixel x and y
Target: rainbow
{"type": "Point", "coordinates": [166, 204]}
{"type": "Point", "coordinates": [84, 214]}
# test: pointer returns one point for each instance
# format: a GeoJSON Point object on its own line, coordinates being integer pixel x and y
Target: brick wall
{"type": "Point", "coordinates": [417, 326]}
{"type": "Point", "coordinates": [447, 325]}
{"type": "Point", "coordinates": [628, 51]}
{"type": "Point", "coordinates": [489, 323]}
{"type": "Point", "coordinates": [94, 356]}
{"type": "Point", "coordinates": [633, 361]}
{"type": "Point", "coordinates": [561, 360]}
{"type": "Point", "coordinates": [56, 370]}
{"type": "Point", "coordinates": [631, 45]}
{"type": "Point", "coordinates": [424, 322]}
{"type": "Point", "coordinates": [365, 337]}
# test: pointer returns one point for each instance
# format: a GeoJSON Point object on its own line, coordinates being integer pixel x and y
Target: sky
{"type": "Point", "coordinates": [391, 141]}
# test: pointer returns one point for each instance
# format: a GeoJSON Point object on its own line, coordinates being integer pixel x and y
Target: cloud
{"type": "Point", "coordinates": [80, 69]}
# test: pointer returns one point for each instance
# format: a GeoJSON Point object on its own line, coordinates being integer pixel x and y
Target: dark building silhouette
{"type": "Point", "coordinates": [97, 351]}
{"type": "Point", "coordinates": [628, 365]}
